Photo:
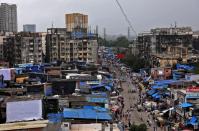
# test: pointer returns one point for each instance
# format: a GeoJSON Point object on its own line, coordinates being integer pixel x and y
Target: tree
{"type": "Point", "coordinates": [121, 41]}
{"type": "Point", "coordinates": [141, 127]}
{"type": "Point", "coordinates": [135, 62]}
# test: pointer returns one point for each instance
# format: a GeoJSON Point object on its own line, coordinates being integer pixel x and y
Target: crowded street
{"type": "Point", "coordinates": [130, 93]}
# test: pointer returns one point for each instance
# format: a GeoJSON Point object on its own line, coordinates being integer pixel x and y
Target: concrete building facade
{"type": "Point", "coordinates": [8, 18]}
{"type": "Point", "coordinates": [2, 37]}
{"type": "Point", "coordinates": [29, 28]}
{"type": "Point", "coordinates": [65, 46]}
{"type": "Point", "coordinates": [43, 41]}
{"type": "Point", "coordinates": [173, 42]}
{"type": "Point", "coordinates": [76, 22]}
{"type": "Point", "coordinates": [23, 47]}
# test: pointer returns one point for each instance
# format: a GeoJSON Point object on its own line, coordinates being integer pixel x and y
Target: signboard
{"type": "Point", "coordinates": [54, 72]}
{"type": "Point", "coordinates": [85, 78]}
{"type": "Point", "coordinates": [23, 110]}
{"type": "Point", "coordinates": [192, 95]}
{"type": "Point", "coordinates": [192, 89]}
{"type": "Point", "coordinates": [92, 82]}
{"type": "Point", "coordinates": [120, 56]}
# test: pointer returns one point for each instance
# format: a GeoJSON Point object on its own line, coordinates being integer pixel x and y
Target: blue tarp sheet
{"type": "Point", "coordinates": [99, 94]}
{"type": "Point", "coordinates": [156, 96]}
{"type": "Point", "coordinates": [55, 118]}
{"type": "Point", "coordinates": [159, 86]}
{"type": "Point", "coordinates": [151, 92]}
{"type": "Point", "coordinates": [82, 83]}
{"type": "Point", "coordinates": [184, 67]}
{"type": "Point", "coordinates": [97, 100]}
{"type": "Point", "coordinates": [86, 114]}
{"type": "Point", "coordinates": [193, 121]}
{"type": "Point", "coordinates": [101, 85]}
{"type": "Point", "coordinates": [164, 82]}
{"type": "Point", "coordinates": [97, 108]}
{"type": "Point", "coordinates": [185, 104]}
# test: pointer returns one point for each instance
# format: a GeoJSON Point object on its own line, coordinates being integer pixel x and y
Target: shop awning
{"type": "Point", "coordinates": [185, 105]}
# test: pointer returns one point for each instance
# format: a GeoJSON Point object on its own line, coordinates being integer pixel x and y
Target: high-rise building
{"type": "Point", "coordinates": [8, 18]}
{"type": "Point", "coordinates": [29, 28]}
{"type": "Point", "coordinates": [76, 22]}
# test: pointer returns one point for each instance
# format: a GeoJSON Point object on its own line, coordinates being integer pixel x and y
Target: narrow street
{"type": "Point", "coordinates": [130, 102]}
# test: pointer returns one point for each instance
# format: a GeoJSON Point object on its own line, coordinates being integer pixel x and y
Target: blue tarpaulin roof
{"type": "Point", "coordinates": [97, 100]}
{"type": "Point", "coordinates": [156, 96]}
{"type": "Point", "coordinates": [97, 108]}
{"type": "Point", "coordinates": [192, 121]}
{"type": "Point", "coordinates": [185, 104]}
{"type": "Point", "coordinates": [101, 85]}
{"type": "Point", "coordinates": [164, 82]}
{"type": "Point", "coordinates": [184, 67]}
{"type": "Point", "coordinates": [55, 117]}
{"type": "Point", "coordinates": [151, 92]}
{"type": "Point", "coordinates": [82, 83]}
{"type": "Point", "coordinates": [86, 114]}
{"type": "Point", "coordinates": [99, 94]}
{"type": "Point", "coordinates": [159, 86]}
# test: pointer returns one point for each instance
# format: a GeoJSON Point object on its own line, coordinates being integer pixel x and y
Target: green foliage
{"type": "Point", "coordinates": [196, 68]}
{"type": "Point", "coordinates": [141, 127]}
{"type": "Point", "coordinates": [135, 62]}
{"type": "Point", "coordinates": [121, 41]}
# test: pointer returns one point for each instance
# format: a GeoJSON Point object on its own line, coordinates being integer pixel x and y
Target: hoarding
{"type": "Point", "coordinates": [192, 89]}
{"type": "Point", "coordinates": [192, 95]}
{"type": "Point", "coordinates": [23, 110]}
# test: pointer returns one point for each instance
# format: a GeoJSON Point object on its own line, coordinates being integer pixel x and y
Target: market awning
{"type": "Point", "coordinates": [185, 105]}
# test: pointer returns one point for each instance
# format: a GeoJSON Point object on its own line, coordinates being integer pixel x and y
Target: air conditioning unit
{"type": "Point", "coordinates": [66, 126]}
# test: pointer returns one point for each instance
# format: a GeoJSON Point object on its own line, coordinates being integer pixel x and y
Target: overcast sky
{"type": "Point", "coordinates": [143, 14]}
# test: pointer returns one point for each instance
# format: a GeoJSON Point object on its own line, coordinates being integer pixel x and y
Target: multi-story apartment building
{"type": "Point", "coordinates": [23, 48]}
{"type": "Point", "coordinates": [166, 43]}
{"type": "Point", "coordinates": [2, 37]}
{"type": "Point", "coordinates": [9, 50]}
{"type": "Point", "coordinates": [8, 18]}
{"type": "Point", "coordinates": [43, 41]}
{"type": "Point", "coordinates": [29, 28]}
{"type": "Point", "coordinates": [67, 46]}
{"type": "Point", "coordinates": [76, 22]}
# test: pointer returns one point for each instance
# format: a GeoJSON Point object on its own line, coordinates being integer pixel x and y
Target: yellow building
{"type": "Point", "coordinates": [76, 22]}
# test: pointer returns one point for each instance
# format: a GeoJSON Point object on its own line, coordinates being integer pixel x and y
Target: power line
{"type": "Point", "coordinates": [126, 17]}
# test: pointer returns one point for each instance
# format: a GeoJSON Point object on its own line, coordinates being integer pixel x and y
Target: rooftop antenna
{"type": "Point", "coordinates": [175, 24]}
{"type": "Point", "coordinates": [52, 24]}
{"type": "Point", "coordinates": [128, 33]}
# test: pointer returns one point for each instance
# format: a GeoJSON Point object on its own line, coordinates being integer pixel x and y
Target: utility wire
{"type": "Point", "coordinates": [126, 17]}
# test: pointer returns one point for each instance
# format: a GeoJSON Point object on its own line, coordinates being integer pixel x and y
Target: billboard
{"type": "Point", "coordinates": [23, 110]}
